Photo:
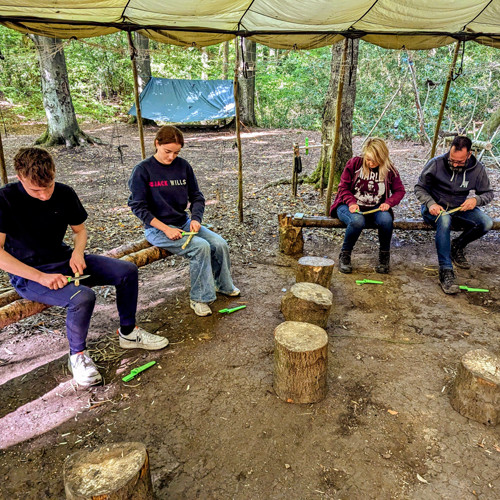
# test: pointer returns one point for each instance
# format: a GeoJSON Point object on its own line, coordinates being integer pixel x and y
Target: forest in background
{"type": "Point", "coordinates": [290, 85]}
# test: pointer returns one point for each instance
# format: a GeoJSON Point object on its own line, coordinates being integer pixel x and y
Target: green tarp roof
{"type": "Point", "coordinates": [415, 24]}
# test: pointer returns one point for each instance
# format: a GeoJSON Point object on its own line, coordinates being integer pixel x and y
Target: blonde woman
{"type": "Point", "coordinates": [367, 183]}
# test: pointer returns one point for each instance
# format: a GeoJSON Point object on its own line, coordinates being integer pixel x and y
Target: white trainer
{"type": "Point", "coordinates": [83, 369]}
{"type": "Point", "coordinates": [200, 308]}
{"type": "Point", "coordinates": [235, 292]}
{"type": "Point", "coordinates": [141, 339]}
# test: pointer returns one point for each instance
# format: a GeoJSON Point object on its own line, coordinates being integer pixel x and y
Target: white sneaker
{"type": "Point", "coordinates": [83, 369]}
{"type": "Point", "coordinates": [200, 308]}
{"type": "Point", "coordinates": [235, 292]}
{"type": "Point", "coordinates": [141, 339]}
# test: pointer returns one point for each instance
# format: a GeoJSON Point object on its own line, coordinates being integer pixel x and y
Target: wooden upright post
{"type": "Point", "coordinates": [445, 98]}
{"type": "Point", "coordinates": [238, 133]}
{"type": "Point", "coordinates": [136, 92]}
{"type": "Point", "coordinates": [336, 140]}
{"type": "Point", "coordinates": [3, 168]}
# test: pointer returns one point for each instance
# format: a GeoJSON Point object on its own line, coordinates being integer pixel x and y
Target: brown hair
{"type": "Point", "coordinates": [169, 134]}
{"type": "Point", "coordinates": [36, 165]}
{"type": "Point", "coordinates": [376, 149]}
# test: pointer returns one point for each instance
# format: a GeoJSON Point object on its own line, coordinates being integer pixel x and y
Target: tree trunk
{"type": "Point", "coordinates": [143, 64]}
{"type": "Point", "coordinates": [143, 60]}
{"type": "Point", "coordinates": [204, 63]}
{"type": "Point", "coordinates": [225, 61]}
{"type": "Point", "coordinates": [62, 127]}
{"type": "Point", "coordinates": [492, 124]}
{"type": "Point", "coordinates": [344, 152]}
{"type": "Point", "coordinates": [246, 82]}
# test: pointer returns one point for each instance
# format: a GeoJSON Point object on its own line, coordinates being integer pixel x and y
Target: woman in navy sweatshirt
{"type": "Point", "coordinates": [162, 187]}
{"type": "Point", "coordinates": [369, 183]}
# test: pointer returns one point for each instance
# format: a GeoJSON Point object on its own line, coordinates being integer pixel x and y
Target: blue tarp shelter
{"type": "Point", "coordinates": [184, 101]}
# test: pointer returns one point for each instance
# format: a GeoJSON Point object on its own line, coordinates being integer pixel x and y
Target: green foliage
{"type": "Point", "coordinates": [290, 85]}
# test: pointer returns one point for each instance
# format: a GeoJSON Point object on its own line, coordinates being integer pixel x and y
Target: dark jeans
{"type": "Point", "coordinates": [356, 222]}
{"type": "Point", "coordinates": [79, 301]}
{"type": "Point", "coordinates": [474, 224]}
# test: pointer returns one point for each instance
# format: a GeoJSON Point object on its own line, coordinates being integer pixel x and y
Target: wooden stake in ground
{"type": "Point", "coordinates": [317, 270]}
{"type": "Point", "coordinates": [238, 129]}
{"type": "Point", "coordinates": [300, 362]}
{"type": "Point", "coordinates": [476, 389]}
{"type": "Point", "coordinates": [116, 471]}
{"type": "Point", "coordinates": [307, 302]}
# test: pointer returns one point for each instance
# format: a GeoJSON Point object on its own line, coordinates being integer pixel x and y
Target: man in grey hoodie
{"type": "Point", "coordinates": [444, 185]}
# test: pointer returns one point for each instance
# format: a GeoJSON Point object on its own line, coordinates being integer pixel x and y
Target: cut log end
{"type": "Point", "coordinates": [475, 392]}
{"type": "Point", "coordinates": [117, 470]}
{"type": "Point", "coordinates": [317, 270]}
{"type": "Point", "coordinates": [300, 362]}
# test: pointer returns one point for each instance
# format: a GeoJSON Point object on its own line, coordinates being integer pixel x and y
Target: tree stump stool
{"type": "Point", "coordinates": [118, 471]}
{"type": "Point", "coordinates": [300, 362]}
{"type": "Point", "coordinates": [307, 302]}
{"type": "Point", "coordinates": [476, 389]}
{"type": "Point", "coordinates": [317, 270]}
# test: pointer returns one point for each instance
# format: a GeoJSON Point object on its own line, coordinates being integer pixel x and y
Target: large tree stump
{"type": "Point", "coordinates": [317, 270]}
{"type": "Point", "coordinates": [118, 471]}
{"type": "Point", "coordinates": [476, 389]}
{"type": "Point", "coordinates": [307, 302]}
{"type": "Point", "coordinates": [291, 240]}
{"type": "Point", "coordinates": [300, 362]}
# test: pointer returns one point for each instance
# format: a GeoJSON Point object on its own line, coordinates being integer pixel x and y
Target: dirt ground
{"type": "Point", "coordinates": [207, 412]}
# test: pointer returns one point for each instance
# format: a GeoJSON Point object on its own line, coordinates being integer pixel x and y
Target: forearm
{"type": "Point", "coordinates": [423, 196]}
{"type": "Point", "coordinates": [80, 241]}
{"type": "Point", "coordinates": [158, 224]}
{"type": "Point", "coordinates": [12, 265]}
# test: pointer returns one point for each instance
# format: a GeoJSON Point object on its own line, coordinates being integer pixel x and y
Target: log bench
{"type": "Point", "coordinates": [291, 225]}
{"type": "Point", "coordinates": [14, 308]}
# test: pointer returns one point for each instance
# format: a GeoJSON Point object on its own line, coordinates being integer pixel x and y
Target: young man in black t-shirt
{"type": "Point", "coordinates": [34, 215]}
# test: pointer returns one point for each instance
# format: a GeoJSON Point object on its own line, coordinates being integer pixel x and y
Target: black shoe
{"type": "Point", "coordinates": [384, 258]}
{"type": "Point", "coordinates": [458, 256]}
{"type": "Point", "coordinates": [447, 281]}
{"type": "Point", "coordinates": [345, 262]}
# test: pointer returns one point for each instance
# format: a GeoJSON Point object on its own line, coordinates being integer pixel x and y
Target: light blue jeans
{"type": "Point", "coordinates": [209, 262]}
{"type": "Point", "coordinates": [474, 224]}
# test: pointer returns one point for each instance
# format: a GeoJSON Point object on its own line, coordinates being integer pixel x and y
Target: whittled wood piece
{"type": "Point", "coordinates": [307, 302]}
{"type": "Point", "coordinates": [117, 471]}
{"type": "Point", "coordinates": [475, 393]}
{"type": "Point", "coordinates": [300, 362]}
{"type": "Point", "coordinates": [317, 270]}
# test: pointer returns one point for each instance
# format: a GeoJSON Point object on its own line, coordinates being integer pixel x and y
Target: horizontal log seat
{"type": "Point", "coordinates": [292, 241]}
{"type": "Point", "coordinates": [14, 308]}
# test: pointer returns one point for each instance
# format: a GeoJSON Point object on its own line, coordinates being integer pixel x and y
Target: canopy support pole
{"type": "Point", "coordinates": [136, 92]}
{"type": "Point", "coordinates": [238, 129]}
{"type": "Point", "coordinates": [3, 167]}
{"type": "Point", "coordinates": [336, 139]}
{"type": "Point", "coordinates": [445, 98]}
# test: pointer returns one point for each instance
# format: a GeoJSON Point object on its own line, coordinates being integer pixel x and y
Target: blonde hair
{"type": "Point", "coordinates": [376, 149]}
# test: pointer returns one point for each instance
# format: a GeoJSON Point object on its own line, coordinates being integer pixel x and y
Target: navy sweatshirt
{"type": "Point", "coordinates": [164, 191]}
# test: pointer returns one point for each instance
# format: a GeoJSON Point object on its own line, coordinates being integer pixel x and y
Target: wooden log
{"type": "Point", "coordinates": [22, 308]}
{"type": "Point", "coordinates": [317, 270]}
{"type": "Point", "coordinates": [475, 144]}
{"type": "Point", "coordinates": [8, 297]}
{"type": "Point", "coordinates": [146, 256]}
{"type": "Point", "coordinates": [475, 392]}
{"type": "Point", "coordinates": [127, 248]}
{"type": "Point", "coordinates": [291, 240]}
{"type": "Point", "coordinates": [300, 362]}
{"type": "Point", "coordinates": [307, 302]}
{"type": "Point", "coordinates": [117, 471]}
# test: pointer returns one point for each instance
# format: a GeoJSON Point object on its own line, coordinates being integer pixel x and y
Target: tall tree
{"type": "Point", "coordinates": [62, 127]}
{"type": "Point", "coordinates": [143, 60]}
{"type": "Point", "coordinates": [225, 60]}
{"type": "Point", "coordinates": [247, 82]}
{"type": "Point", "coordinates": [344, 152]}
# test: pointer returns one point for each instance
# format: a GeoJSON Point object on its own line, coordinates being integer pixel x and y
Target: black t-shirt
{"type": "Point", "coordinates": [35, 229]}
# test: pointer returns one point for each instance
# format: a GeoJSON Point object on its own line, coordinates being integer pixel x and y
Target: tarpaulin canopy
{"type": "Point", "coordinates": [413, 24]}
{"type": "Point", "coordinates": [185, 101]}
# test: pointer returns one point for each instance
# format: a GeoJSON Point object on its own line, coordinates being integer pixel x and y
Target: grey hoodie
{"type": "Point", "coordinates": [450, 187]}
